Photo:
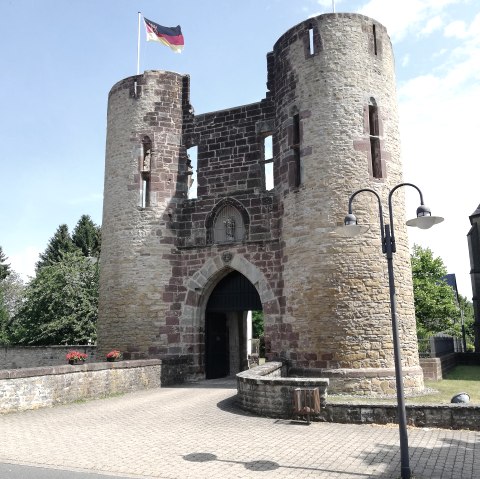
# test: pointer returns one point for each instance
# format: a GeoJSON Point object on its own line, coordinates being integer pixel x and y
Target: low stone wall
{"type": "Point", "coordinates": [454, 416]}
{"type": "Point", "coordinates": [436, 368]}
{"type": "Point", "coordinates": [33, 388]}
{"type": "Point", "coordinates": [432, 368]}
{"type": "Point", "coordinates": [364, 381]}
{"type": "Point", "coordinates": [13, 357]}
{"type": "Point", "coordinates": [264, 391]}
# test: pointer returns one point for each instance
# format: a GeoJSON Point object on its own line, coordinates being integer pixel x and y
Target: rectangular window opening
{"type": "Point", "coordinates": [296, 130]}
{"type": "Point", "coordinates": [192, 154]}
{"type": "Point", "coordinates": [298, 167]}
{"type": "Point", "coordinates": [268, 162]}
{"type": "Point", "coordinates": [145, 192]}
{"type": "Point", "coordinates": [375, 141]}
{"type": "Point", "coordinates": [296, 150]}
{"type": "Point", "coordinates": [311, 44]}
{"type": "Point", "coordinates": [373, 120]}
{"type": "Point", "coordinates": [376, 159]}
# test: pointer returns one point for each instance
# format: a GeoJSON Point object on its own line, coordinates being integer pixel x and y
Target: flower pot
{"type": "Point", "coordinates": [72, 361]}
{"type": "Point", "coordinates": [110, 360]}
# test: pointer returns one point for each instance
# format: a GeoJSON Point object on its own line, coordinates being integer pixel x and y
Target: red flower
{"type": "Point", "coordinates": [115, 354]}
{"type": "Point", "coordinates": [76, 356]}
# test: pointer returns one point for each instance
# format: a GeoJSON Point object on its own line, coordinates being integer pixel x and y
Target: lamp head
{"type": "Point", "coordinates": [351, 228]}
{"type": "Point", "coordinates": [424, 219]}
{"type": "Point", "coordinates": [350, 219]}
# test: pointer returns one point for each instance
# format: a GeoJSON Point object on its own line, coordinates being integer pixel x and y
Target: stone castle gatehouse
{"type": "Point", "coordinates": [178, 275]}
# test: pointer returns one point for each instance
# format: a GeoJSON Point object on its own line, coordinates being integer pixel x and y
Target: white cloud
{"type": "Point", "coordinates": [23, 262]}
{"type": "Point", "coordinates": [456, 29]}
{"type": "Point", "coordinates": [405, 60]}
{"type": "Point", "coordinates": [433, 24]}
{"type": "Point", "coordinates": [439, 127]}
{"type": "Point", "coordinates": [407, 16]}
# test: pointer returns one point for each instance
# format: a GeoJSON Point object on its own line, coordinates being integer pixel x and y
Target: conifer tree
{"type": "Point", "coordinates": [86, 236]}
{"type": "Point", "coordinates": [4, 267]}
{"type": "Point", "coordinates": [60, 243]}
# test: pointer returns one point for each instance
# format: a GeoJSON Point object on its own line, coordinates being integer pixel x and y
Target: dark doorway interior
{"type": "Point", "coordinates": [226, 325]}
{"type": "Point", "coordinates": [216, 342]}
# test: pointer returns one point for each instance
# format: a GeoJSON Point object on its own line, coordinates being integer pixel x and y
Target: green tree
{"type": "Point", "coordinates": [86, 236]}
{"type": "Point", "coordinates": [4, 267]}
{"type": "Point", "coordinates": [466, 307]}
{"type": "Point", "coordinates": [60, 243]}
{"type": "Point", "coordinates": [435, 305]}
{"type": "Point", "coordinates": [61, 303]}
{"type": "Point", "coordinates": [257, 324]}
{"type": "Point", "coordinates": [11, 298]}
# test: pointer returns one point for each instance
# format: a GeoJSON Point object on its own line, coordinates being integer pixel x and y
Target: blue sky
{"type": "Point", "coordinates": [61, 57]}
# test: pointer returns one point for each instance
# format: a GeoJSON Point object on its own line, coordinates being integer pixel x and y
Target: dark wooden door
{"type": "Point", "coordinates": [216, 346]}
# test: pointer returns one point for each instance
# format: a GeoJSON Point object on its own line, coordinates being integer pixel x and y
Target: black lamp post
{"type": "Point", "coordinates": [423, 220]}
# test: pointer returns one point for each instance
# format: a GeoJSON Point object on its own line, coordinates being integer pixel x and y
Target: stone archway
{"type": "Point", "coordinates": [201, 285]}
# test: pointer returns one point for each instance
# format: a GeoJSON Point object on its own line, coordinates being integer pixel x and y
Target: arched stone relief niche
{"type": "Point", "coordinates": [227, 223]}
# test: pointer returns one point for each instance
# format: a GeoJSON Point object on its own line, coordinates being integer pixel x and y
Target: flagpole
{"type": "Point", "coordinates": [333, 6]}
{"type": "Point", "coordinates": [138, 44]}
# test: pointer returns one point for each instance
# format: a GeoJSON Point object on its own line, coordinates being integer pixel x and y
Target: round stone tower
{"type": "Point", "coordinates": [145, 178]}
{"type": "Point", "coordinates": [336, 131]}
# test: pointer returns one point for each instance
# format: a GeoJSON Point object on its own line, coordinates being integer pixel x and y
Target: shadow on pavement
{"type": "Point", "coordinates": [261, 465]}
{"type": "Point", "coordinates": [448, 459]}
{"type": "Point", "coordinates": [222, 383]}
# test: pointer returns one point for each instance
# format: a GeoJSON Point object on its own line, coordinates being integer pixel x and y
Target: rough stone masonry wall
{"type": "Point", "coordinates": [138, 256]}
{"type": "Point", "coordinates": [325, 298]}
{"type": "Point", "coordinates": [230, 171]}
{"type": "Point", "coordinates": [15, 357]}
{"type": "Point", "coordinates": [33, 388]}
{"type": "Point", "coordinates": [265, 391]}
{"type": "Point", "coordinates": [336, 289]}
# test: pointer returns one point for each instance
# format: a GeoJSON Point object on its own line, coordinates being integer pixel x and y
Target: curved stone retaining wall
{"type": "Point", "coordinates": [262, 390]}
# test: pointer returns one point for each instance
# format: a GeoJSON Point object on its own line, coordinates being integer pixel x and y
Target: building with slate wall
{"type": "Point", "coordinates": [474, 250]}
{"type": "Point", "coordinates": [179, 274]}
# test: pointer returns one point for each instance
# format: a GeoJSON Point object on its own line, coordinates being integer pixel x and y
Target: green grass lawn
{"type": "Point", "coordinates": [461, 379]}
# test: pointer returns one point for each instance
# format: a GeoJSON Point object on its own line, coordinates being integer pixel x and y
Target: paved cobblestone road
{"type": "Point", "coordinates": [197, 432]}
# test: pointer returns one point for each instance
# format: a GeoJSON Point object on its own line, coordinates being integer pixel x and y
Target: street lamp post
{"type": "Point", "coordinates": [423, 220]}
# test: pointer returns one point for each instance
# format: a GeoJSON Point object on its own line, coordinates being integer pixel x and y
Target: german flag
{"type": "Point", "coordinates": [170, 36]}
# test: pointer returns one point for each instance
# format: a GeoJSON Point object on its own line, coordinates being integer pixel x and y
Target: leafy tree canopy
{"type": "Point", "coordinates": [435, 305]}
{"type": "Point", "coordinates": [61, 303]}
{"type": "Point", "coordinates": [257, 324]}
{"type": "Point", "coordinates": [11, 298]}
{"type": "Point", "coordinates": [4, 267]}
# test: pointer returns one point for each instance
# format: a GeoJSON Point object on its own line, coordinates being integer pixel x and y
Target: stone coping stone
{"type": "Point", "coordinates": [353, 373]}
{"type": "Point", "coordinates": [76, 368]}
{"type": "Point", "coordinates": [263, 375]}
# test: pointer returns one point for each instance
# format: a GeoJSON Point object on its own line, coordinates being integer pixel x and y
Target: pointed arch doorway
{"type": "Point", "coordinates": [226, 325]}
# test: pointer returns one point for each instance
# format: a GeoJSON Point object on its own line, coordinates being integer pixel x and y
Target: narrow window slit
{"type": "Point", "coordinates": [375, 141]}
{"type": "Point", "coordinates": [145, 200]}
{"type": "Point", "coordinates": [374, 39]}
{"type": "Point", "coordinates": [311, 44]}
{"type": "Point", "coordinates": [296, 150]}
{"type": "Point", "coordinates": [192, 183]}
{"type": "Point", "coordinates": [145, 169]}
{"type": "Point", "coordinates": [268, 162]}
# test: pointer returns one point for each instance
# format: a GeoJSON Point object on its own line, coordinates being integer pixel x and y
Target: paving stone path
{"type": "Point", "coordinates": [197, 432]}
